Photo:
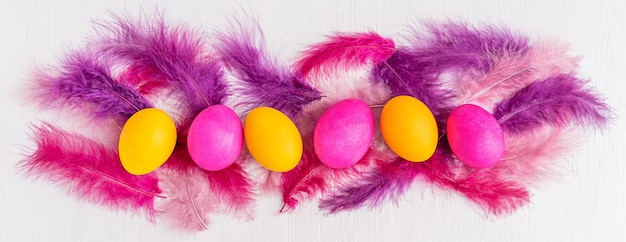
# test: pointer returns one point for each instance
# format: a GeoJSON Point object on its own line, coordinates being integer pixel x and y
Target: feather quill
{"type": "Point", "coordinates": [345, 51]}
{"type": "Point", "coordinates": [558, 100]}
{"type": "Point", "coordinates": [84, 80]}
{"type": "Point", "coordinates": [262, 82]}
{"type": "Point", "coordinates": [177, 55]}
{"type": "Point", "coordinates": [89, 170]}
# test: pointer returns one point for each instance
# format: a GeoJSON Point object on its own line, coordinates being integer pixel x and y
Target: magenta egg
{"type": "Point", "coordinates": [475, 136]}
{"type": "Point", "coordinates": [215, 138]}
{"type": "Point", "coordinates": [344, 133]}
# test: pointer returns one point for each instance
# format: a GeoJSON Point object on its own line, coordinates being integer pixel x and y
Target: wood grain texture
{"type": "Point", "coordinates": [585, 205]}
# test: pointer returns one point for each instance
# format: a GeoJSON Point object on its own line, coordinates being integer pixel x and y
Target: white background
{"type": "Point", "coordinates": [587, 204]}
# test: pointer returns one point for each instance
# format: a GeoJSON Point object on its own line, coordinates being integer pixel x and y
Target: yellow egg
{"type": "Point", "coordinates": [272, 139]}
{"type": "Point", "coordinates": [409, 128]}
{"type": "Point", "coordinates": [147, 141]}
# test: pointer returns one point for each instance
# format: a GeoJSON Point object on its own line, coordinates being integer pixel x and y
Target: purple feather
{"type": "Point", "coordinates": [462, 46]}
{"type": "Point", "coordinates": [389, 180]}
{"type": "Point", "coordinates": [557, 100]}
{"type": "Point", "coordinates": [262, 81]}
{"type": "Point", "coordinates": [84, 81]}
{"type": "Point", "coordinates": [175, 54]}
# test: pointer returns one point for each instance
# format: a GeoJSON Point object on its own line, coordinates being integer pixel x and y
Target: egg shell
{"type": "Point", "coordinates": [344, 133]}
{"type": "Point", "coordinates": [475, 136]}
{"type": "Point", "coordinates": [409, 128]}
{"type": "Point", "coordinates": [215, 138]}
{"type": "Point", "coordinates": [146, 141]}
{"type": "Point", "coordinates": [272, 139]}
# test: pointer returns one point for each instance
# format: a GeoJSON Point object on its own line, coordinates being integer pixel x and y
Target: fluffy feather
{"type": "Point", "coordinates": [533, 156]}
{"type": "Point", "coordinates": [492, 191]}
{"type": "Point", "coordinates": [262, 82]}
{"type": "Point", "coordinates": [84, 80]}
{"type": "Point", "coordinates": [558, 100]}
{"type": "Point", "coordinates": [89, 170]}
{"type": "Point", "coordinates": [463, 48]}
{"type": "Point", "coordinates": [189, 198]}
{"type": "Point", "coordinates": [345, 51]}
{"type": "Point", "coordinates": [177, 55]}
{"type": "Point", "coordinates": [390, 179]}
{"type": "Point", "coordinates": [304, 181]}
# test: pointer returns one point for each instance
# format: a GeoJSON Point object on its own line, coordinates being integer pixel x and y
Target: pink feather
{"type": "Point", "coordinates": [89, 170]}
{"type": "Point", "coordinates": [345, 51]}
{"type": "Point", "coordinates": [189, 198]}
{"type": "Point", "coordinates": [513, 72]}
{"type": "Point", "coordinates": [533, 156]}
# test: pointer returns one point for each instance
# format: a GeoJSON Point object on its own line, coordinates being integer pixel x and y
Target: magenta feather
{"type": "Point", "coordinates": [493, 191]}
{"type": "Point", "coordinates": [84, 80]}
{"type": "Point", "coordinates": [345, 51]}
{"type": "Point", "coordinates": [234, 189]}
{"type": "Point", "coordinates": [262, 82]}
{"type": "Point", "coordinates": [177, 55]}
{"type": "Point", "coordinates": [89, 170]}
{"type": "Point", "coordinates": [303, 182]}
{"type": "Point", "coordinates": [143, 79]}
{"type": "Point", "coordinates": [558, 100]}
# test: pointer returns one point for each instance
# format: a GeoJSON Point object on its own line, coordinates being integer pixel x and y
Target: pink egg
{"type": "Point", "coordinates": [215, 138]}
{"type": "Point", "coordinates": [344, 133]}
{"type": "Point", "coordinates": [475, 136]}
